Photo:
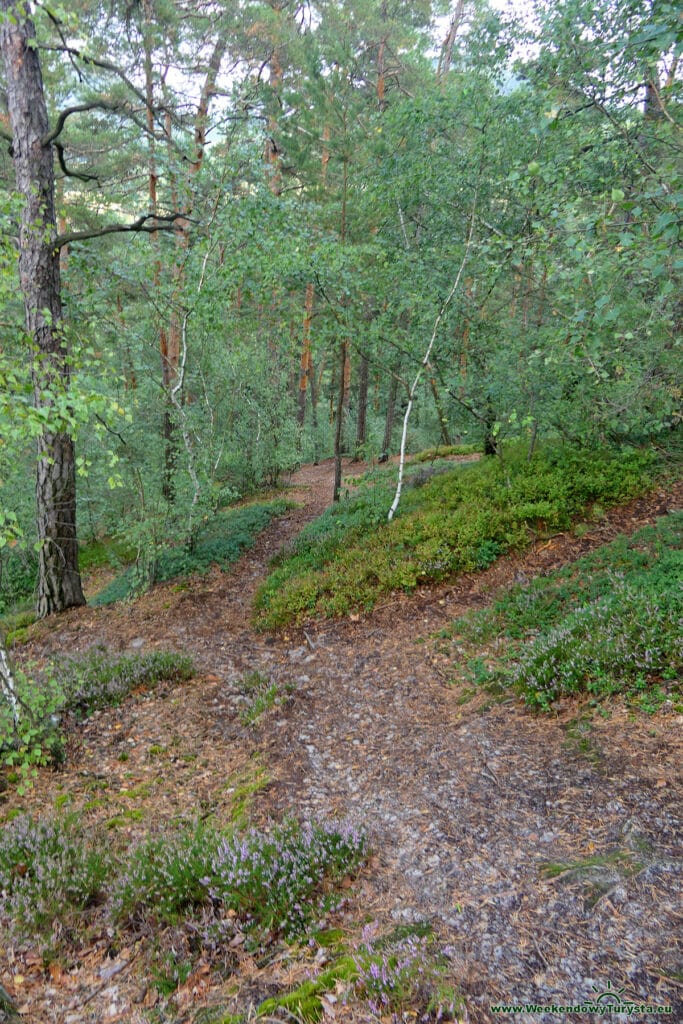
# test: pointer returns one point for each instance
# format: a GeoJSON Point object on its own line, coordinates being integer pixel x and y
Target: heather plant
{"type": "Point", "coordinates": [275, 882]}
{"type": "Point", "coordinates": [651, 559]}
{"type": "Point", "coordinates": [163, 876]}
{"type": "Point", "coordinates": [271, 883]}
{"type": "Point", "coordinates": [404, 975]}
{"type": "Point", "coordinates": [613, 645]}
{"type": "Point", "coordinates": [49, 871]}
{"type": "Point", "coordinates": [100, 678]}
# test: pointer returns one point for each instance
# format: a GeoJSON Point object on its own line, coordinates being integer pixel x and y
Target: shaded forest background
{"type": "Point", "coordinates": [264, 213]}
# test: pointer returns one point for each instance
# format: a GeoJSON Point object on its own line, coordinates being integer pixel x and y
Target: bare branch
{"type": "Point", "coordinates": [168, 224]}
{"type": "Point", "coordinates": [79, 109]}
{"type": "Point", "coordinates": [72, 174]}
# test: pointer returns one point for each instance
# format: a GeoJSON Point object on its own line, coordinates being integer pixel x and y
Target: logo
{"type": "Point", "coordinates": [608, 1000]}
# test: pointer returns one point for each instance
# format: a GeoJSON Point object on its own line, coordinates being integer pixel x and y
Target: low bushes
{"type": "Point", "coordinates": [265, 885]}
{"type": "Point", "coordinates": [458, 521]}
{"type": "Point", "coordinates": [609, 623]}
{"type": "Point", "coordinates": [221, 542]}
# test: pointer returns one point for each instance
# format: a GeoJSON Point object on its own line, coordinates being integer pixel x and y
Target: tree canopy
{"type": "Point", "coordinates": [240, 231]}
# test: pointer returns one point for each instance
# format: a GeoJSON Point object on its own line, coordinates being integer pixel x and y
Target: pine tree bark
{"type": "Point", "coordinates": [306, 363]}
{"type": "Point", "coordinates": [59, 584]}
{"type": "Point", "coordinates": [339, 421]}
{"type": "Point", "coordinates": [389, 420]}
{"type": "Point", "coordinates": [362, 415]}
{"type": "Point", "coordinates": [443, 419]}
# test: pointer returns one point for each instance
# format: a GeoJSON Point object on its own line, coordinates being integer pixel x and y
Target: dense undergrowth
{"type": "Point", "coordinates": [611, 622]}
{"type": "Point", "coordinates": [221, 542]}
{"type": "Point", "coordinates": [451, 519]}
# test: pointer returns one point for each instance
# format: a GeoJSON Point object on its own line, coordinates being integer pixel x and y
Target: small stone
{"type": "Point", "coordinates": [138, 642]}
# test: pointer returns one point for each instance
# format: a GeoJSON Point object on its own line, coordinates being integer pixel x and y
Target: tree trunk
{"type": "Point", "coordinates": [389, 421]}
{"type": "Point", "coordinates": [7, 686]}
{"type": "Point", "coordinates": [490, 442]}
{"type": "Point", "coordinates": [443, 419]}
{"type": "Point", "coordinates": [339, 424]}
{"type": "Point", "coordinates": [446, 55]}
{"type": "Point", "coordinates": [59, 583]}
{"type": "Point", "coordinates": [306, 364]}
{"type": "Point", "coordinates": [361, 422]}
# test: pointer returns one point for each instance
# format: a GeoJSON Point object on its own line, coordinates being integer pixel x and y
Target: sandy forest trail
{"type": "Point", "coordinates": [463, 802]}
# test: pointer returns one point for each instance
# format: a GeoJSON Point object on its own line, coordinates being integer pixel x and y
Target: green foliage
{"type": "Point", "coordinates": [221, 542]}
{"type": "Point", "coordinates": [272, 884]}
{"type": "Point", "coordinates": [649, 560]}
{"type": "Point", "coordinates": [105, 552]}
{"type": "Point", "coordinates": [625, 643]}
{"type": "Point", "coordinates": [609, 623]}
{"type": "Point", "coordinates": [170, 974]}
{"type": "Point", "coordinates": [242, 788]}
{"type": "Point", "coordinates": [165, 876]}
{"type": "Point", "coordinates": [49, 871]}
{"type": "Point", "coordinates": [16, 625]}
{"type": "Point", "coordinates": [36, 738]}
{"type": "Point", "coordinates": [458, 521]}
{"type": "Point", "coordinates": [261, 694]}
{"type": "Point", "coordinates": [18, 576]}
{"type": "Point", "coordinates": [278, 883]}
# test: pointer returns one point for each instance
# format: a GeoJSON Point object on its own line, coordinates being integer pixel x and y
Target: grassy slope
{"type": "Point", "coordinates": [611, 622]}
{"type": "Point", "coordinates": [221, 542]}
{"type": "Point", "coordinates": [461, 519]}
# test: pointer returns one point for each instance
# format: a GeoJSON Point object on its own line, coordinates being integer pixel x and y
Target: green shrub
{"type": "Point", "coordinates": [48, 871]}
{"type": "Point", "coordinates": [221, 542]}
{"type": "Point", "coordinates": [165, 876]}
{"type": "Point", "coordinates": [79, 685]}
{"type": "Point", "coordinates": [261, 694]}
{"type": "Point", "coordinates": [273, 883]}
{"type": "Point", "coordinates": [458, 521]}
{"type": "Point", "coordinates": [651, 559]}
{"type": "Point", "coordinates": [36, 738]}
{"type": "Point", "coordinates": [18, 576]}
{"type": "Point", "coordinates": [616, 644]}
{"type": "Point", "coordinates": [611, 622]}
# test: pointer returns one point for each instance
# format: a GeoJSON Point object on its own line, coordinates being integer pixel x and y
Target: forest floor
{"type": "Point", "coordinates": [464, 800]}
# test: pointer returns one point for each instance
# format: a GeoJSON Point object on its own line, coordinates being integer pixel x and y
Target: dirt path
{"type": "Point", "coordinates": [464, 803]}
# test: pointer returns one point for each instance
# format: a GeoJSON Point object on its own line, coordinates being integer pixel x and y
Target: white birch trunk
{"type": "Point", "coordinates": [7, 684]}
{"type": "Point", "coordinates": [423, 365]}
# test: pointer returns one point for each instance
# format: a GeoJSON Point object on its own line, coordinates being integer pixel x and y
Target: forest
{"type": "Point", "coordinates": [309, 312]}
